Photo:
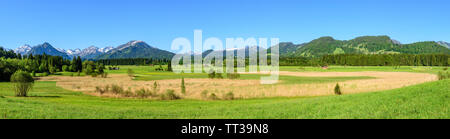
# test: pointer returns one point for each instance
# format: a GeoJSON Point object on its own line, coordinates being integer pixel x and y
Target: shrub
{"type": "Point", "coordinates": [155, 88]}
{"type": "Point", "coordinates": [204, 94]}
{"type": "Point", "coordinates": [337, 90]}
{"type": "Point", "coordinates": [445, 68]}
{"type": "Point", "coordinates": [107, 88]}
{"type": "Point", "coordinates": [104, 75]}
{"type": "Point", "coordinates": [116, 89]}
{"type": "Point", "coordinates": [169, 95]}
{"type": "Point", "coordinates": [183, 88]}
{"type": "Point", "coordinates": [94, 74]}
{"type": "Point", "coordinates": [33, 73]}
{"type": "Point", "coordinates": [45, 74]}
{"type": "Point", "coordinates": [78, 73]}
{"type": "Point", "coordinates": [130, 73]}
{"type": "Point", "coordinates": [65, 68]}
{"type": "Point", "coordinates": [212, 75]}
{"type": "Point", "coordinates": [52, 69]}
{"type": "Point", "coordinates": [440, 75]}
{"type": "Point", "coordinates": [233, 75]}
{"type": "Point", "coordinates": [228, 96]}
{"type": "Point", "coordinates": [100, 90]}
{"type": "Point", "coordinates": [213, 96]}
{"type": "Point", "coordinates": [443, 75]}
{"type": "Point", "coordinates": [143, 93]}
{"type": "Point", "coordinates": [22, 83]}
{"type": "Point", "coordinates": [127, 93]}
{"type": "Point", "coordinates": [219, 76]}
{"type": "Point", "coordinates": [71, 74]}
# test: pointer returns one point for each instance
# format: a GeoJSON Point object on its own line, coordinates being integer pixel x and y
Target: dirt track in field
{"type": "Point", "coordinates": [252, 88]}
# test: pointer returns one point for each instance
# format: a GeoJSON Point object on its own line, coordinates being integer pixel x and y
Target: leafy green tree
{"type": "Point", "coordinates": [79, 64]}
{"type": "Point", "coordinates": [22, 83]}
{"type": "Point", "coordinates": [65, 68]}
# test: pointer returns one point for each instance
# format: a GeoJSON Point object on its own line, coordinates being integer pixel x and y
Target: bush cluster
{"type": "Point", "coordinates": [215, 75]}
{"type": "Point", "coordinates": [443, 75]}
{"type": "Point", "coordinates": [140, 93]}
{"type": "Point", "coordinates": [233, 75]}
{"type": "Point", "coordinates": [169, 95]}
{"type": "Point", "coordinates": [228, 96]}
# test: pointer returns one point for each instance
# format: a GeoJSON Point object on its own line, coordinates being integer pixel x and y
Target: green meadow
{"type": "Point", "coordinates": [48, 101]}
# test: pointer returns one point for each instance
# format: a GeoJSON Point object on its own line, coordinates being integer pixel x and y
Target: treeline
{"type": "Point", "coordinates": [134, 61]}
{"type": "Point", "coordinates": [47, 64]}
{"type": "Point", "coordinates": [369, 60]}
{"type": "Point", "coordinates": [386, 60]}
{"type": "Point", "coordinates": [360, 60]}
{"type": "Point", "coordinates": [32, 64]}
{"type": "Point", "coordinates": [8, 54]}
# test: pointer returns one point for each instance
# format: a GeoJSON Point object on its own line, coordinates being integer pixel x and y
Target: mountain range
{"type": "Point", "coordinates": [135, 49]}
{"type": "Point", "coordinates": [315, 48]}
{"type": "Point", "coordinates": [46, 48]}
{"type": "Point", "coordinates": [132, 49]}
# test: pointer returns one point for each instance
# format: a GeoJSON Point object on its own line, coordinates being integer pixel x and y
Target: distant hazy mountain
{"type": "Point", "coordinates": [47, 49]}
{"type": "Point", "coordinates": [446, 44]}
{"type": "Point", "coordinates": [135, 49]}
{"type": "Point", "coordinates": [23, 49]}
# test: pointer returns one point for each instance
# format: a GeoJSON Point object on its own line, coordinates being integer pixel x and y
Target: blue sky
{"type": "Point", "coordinates": [72, 24]}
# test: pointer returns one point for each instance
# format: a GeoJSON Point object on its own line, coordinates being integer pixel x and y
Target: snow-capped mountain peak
{"type": "Point", "coordinates": [105, 49]}
{"type": "Point", "coordinates": [73, 52]}
{"type": "Point", "coordinates": [23, 49]}
{"type": "Point", "coordinates": [135, 42]}
{"type": "Point", "coordinates": [445, 44]}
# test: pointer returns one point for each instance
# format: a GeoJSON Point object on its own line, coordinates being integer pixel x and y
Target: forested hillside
{"type": "Point", "coordinates": [360, 45]}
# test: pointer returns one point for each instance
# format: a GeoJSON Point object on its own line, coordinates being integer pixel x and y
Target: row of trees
{"type": "Point", "coordinates": [360, 60]}
{"type": "Point", "coordinates": [46, 64]}
{"type": "Point", "coordinates": [134, 61]}
{"type": "Point", "coordinates": [386, 60]}
{"type": "Point", "coordinates": [8, 54]}
{"type": "Point", "coordinates": [31, 64]}
{"type": "Point", "coordinates": [369, 60]}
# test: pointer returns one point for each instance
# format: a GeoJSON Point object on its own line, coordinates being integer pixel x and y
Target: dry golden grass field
{"type": "Point", "coordinates": [250, 88]}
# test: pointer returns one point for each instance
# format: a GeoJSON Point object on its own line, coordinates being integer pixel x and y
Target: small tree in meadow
{"type": "Point", "coordinates": [155, 88]}
{"type": "Point", "coordinates": [22, 83]}
{"type": "Point", "coordinates": [337, 89]}
{"type": "Point", "coordinates": [183, 88]}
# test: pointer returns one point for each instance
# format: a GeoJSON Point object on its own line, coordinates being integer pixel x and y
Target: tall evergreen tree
{"type": "Point", "coordinates": [79, 64]}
